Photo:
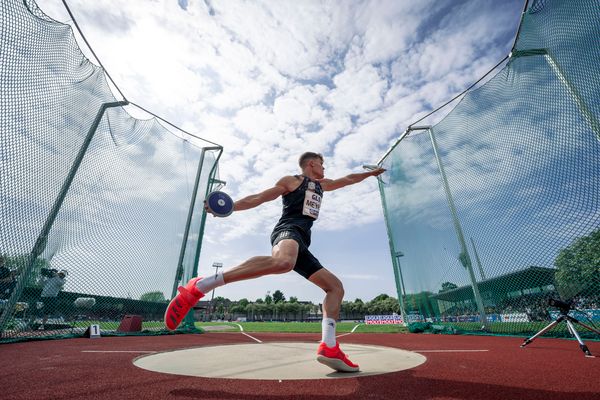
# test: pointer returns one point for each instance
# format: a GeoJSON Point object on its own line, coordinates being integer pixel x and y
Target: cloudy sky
{"type": "Point", "coordinates": [270, 80]}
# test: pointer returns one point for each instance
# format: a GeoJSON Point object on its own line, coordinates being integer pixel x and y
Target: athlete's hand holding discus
{"type": "Point", "coordinates": [219, 204]}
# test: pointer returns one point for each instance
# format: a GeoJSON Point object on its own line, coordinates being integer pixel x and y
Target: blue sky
{"type": "Point", "coordinates": [270, 80]}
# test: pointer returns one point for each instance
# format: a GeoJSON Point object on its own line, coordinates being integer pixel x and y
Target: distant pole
{"type": "Point", "coordinates": [216, 266]}
{"type": "Point", "coordinates": [402, 289]}
{"type": "Point", "coordinates": [478, 260]}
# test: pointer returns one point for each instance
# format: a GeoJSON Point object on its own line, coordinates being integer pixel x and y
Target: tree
{"type": "Point", "coordinates": [268, 299]}
{"type": "Point", "coordinates": [390, 305]}
{"type": "Point", "coordinates": [238, 309]}
{"type": "Point", "coordinates": [358, 307]}
{"type": "Point", "coordinates": [578, 266]}
{"type": "Point", "coordinates": [243, 303]}
{"type": "Point", "coordinates": [156, 297]}
{"type": "Point", "coordinates": [221, 310]}
{"type": "Point", "coordinates": [278, 296]}
{"type": "Point", "coordinates": [260, 310]}
{"type": "Point", "coordinates": [374, 307]}
{"type": "Point", "coordinates": [292, 308]}
{"type": "Point", "coordinates": [293, 299]}
{"type": "Point", "coordinates": [381, 297]}
{"type": "Point", "coordinates": [447, 286]}
{"type": "Point", "coordinates": [279, 310]}
{"type": "Point", "coordinates": [346, 309]}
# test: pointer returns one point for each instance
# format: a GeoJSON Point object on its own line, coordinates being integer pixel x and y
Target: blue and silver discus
{"type": "Point", "coordinates": [219, 203]}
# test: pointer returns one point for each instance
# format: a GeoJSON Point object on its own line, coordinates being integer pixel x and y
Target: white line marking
{"type": "Point", "coordinates": [118, 351]}
{"type": "Point", "coordinates": [447, 351]}
{"type": "Point", "coordinates": [352, 331]}
{"type": "Point", "coordinates": [252, 337]}
{"type": "Point", "coordinates": [243, 333]}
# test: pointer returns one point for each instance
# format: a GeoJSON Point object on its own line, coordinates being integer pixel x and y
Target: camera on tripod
{"type": "Point", "coordinates": [563, 306]}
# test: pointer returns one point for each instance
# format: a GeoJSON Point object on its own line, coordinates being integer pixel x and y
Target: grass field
{"type": "Point", "coordinates": [505, 328]}
{"type": "Point", "coordinates": [306, 327]}
{"type": "Point", "coordinates": [291, 327]}
{"type": "Point", "coordinates": [315, 327]}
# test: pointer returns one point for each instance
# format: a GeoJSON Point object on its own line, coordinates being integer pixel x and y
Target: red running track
{"type": "Point", "coordinates": [546, 369]}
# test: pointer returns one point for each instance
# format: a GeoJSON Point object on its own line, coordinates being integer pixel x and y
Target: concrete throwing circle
{"type": "Point", "coordinates": [275, 360]}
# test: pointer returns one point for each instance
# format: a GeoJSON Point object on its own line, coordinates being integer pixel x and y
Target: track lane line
{"type": "Point", "coordinates": [450, 351]}
{"type": "Point", "coordinates": [244, 333]}
{"type": "Point", "coordinates": [118, 351]}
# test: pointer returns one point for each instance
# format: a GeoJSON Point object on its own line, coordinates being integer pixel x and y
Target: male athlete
{"type": "Point", "coordinates": [290, 239]}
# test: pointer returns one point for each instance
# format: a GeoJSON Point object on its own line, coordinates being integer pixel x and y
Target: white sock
{"type": "Point", "coordinates": [328, 327]}
{"type": "Point", "coordinates": [207, 284]}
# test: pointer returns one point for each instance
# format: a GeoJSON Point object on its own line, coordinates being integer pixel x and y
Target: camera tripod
{"type": "Point", "coordinates": [564, 316]}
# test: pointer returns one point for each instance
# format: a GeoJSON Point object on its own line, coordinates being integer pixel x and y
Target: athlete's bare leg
{"type": "Point", "coordinates": [282, 260]}
{"type": "Point", "coordinates": [329, 352]}
{"type": "Point", "coordinates": [334, 292]}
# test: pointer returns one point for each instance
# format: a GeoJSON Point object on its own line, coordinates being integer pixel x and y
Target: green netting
{"type": "Point", "coordinates": [495, 209]}
{"type": "Point", "coordinates": [112, 201]}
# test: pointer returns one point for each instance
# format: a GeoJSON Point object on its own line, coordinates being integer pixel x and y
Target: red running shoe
{"type": "Point", "coordinates": [178, 308]}
{"type": "Point", "coordinates": [335, 358]}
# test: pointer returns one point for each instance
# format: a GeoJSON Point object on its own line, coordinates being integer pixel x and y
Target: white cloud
{"type": "Point", "coordinates": [357, 91]}
{"type": "Point", "coordinates": [271, 79]}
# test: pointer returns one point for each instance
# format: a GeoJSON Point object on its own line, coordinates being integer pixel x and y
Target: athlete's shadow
{"type": "Point", "coordinates": [400, 385]}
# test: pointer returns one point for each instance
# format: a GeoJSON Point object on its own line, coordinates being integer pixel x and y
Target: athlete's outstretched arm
{"type": "Point", "coordinates": [334, 184]}
{"type": "Point", "coordinates": [281, 187]}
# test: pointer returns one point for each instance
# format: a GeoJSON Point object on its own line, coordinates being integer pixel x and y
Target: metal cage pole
{"type": "Point", "coordinates": [209, 187]}
{"type": "Point", "coordinates": [459, 232]}
{"type": "Point", "coordinates": [478, 260]}
{"type": "Point", "coordinates": [189, 319]}
{"type": "Point", "coordinates": [42, 239]}
{"type": "Point", "coordinates": [179, 271]}
{"type": "Point", "coordinates": [393, 253]}
{"type": "Point", "coordinates": [400, 288]}
{"type": "Point", "coordinates": [582, 106]}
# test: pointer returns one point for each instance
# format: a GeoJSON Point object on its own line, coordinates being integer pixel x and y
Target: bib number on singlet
{"type": "Point", "coordinates": [312, 204]}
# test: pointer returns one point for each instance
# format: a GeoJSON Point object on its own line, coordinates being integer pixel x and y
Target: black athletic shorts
{"type": "Point", "coordinates": [306, 263]}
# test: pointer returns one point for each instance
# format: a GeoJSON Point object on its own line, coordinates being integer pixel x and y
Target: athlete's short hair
{"type": "Point", "coordinates": [309, 155]}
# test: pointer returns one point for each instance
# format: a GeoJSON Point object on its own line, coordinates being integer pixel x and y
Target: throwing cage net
{"type": "Point", "coordinates": [494, 210]}
{"type": "Point", "coordinates": [101, 214]}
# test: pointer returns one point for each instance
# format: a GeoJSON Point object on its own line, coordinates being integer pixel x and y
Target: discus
{"type": "Point", "coordinates": [219, 204]}
{"type": "Point", "coordinates": [370, 167]}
